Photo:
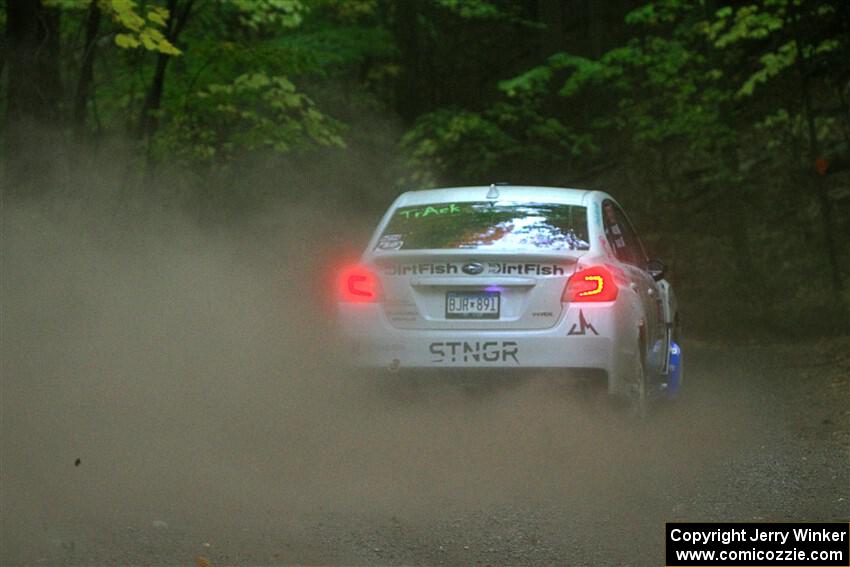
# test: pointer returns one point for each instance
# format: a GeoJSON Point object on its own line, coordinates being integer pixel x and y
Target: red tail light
{"type": "Point", "coordinates": [591, 284]}
{"type": "Point", "coordinates": [358, 284]}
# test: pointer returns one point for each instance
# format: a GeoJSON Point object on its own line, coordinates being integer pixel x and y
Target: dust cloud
{"type": "Point", "coordinates": [157, 371]}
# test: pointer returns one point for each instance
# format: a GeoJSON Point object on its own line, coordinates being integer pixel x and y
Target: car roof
{"type": "Point", "coordinates": [506, 193]}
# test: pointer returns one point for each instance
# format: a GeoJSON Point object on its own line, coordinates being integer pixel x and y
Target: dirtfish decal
{"type": "Point", "coordinates": [504, 269]}
{"type": "Point", "coordinates": [421, 269]}
{"type": "Point", "coordinates": [493, 269]}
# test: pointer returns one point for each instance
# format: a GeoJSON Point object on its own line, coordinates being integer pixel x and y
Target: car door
{"type": "Point", "coordinates": [628, 249]}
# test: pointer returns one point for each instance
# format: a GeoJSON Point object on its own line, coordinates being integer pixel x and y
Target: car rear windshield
{"type": "Point", "coordinates": [487, 225]}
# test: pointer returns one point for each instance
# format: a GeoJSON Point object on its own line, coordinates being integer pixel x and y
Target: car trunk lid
{"type": "Point", "coordinates": [457, 289]}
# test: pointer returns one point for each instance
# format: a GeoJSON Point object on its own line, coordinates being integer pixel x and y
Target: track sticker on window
{"type": "Point", "coordinates": [429, 211]}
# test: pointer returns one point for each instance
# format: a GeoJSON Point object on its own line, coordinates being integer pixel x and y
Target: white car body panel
{"type": "Point", "coordinates": [409, 327]}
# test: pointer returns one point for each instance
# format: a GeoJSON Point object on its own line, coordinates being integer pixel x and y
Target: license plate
{"type": "Point", "coordinates": [472, 304]}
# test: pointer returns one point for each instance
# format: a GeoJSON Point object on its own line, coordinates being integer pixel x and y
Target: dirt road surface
{"type": "Point", "coordinates": [168, 401]}
{"type": "Point", "coordinates": [518, 476]}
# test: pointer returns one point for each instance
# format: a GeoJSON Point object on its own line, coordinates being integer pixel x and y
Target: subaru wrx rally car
{"type": "Point", "coordinates": [509, 277]}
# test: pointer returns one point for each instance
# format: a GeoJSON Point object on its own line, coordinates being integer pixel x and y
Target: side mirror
{"type": "Point", "coordinates": [656, 269]}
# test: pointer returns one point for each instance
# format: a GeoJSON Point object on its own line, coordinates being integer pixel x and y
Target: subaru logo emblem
{"type": "Point", "coordinates": [473, 268]}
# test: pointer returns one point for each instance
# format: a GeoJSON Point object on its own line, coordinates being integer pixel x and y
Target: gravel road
{"type": "Point", "coordinates": [353, 474]}
{"type": "Point", "coordinates": [167, 398]}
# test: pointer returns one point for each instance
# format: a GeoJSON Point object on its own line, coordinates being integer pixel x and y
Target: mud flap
{"type": "Point", "coordinates": [674, 374]}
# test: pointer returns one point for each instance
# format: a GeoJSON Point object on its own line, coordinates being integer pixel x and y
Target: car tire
{"type": "Point", "coordinates": [639, 394]}
{"type": "Point", "coordinates": [639, 402]}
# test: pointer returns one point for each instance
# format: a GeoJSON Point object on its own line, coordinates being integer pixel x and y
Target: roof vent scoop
{"type": "Point", "coordinates": [493, 193]}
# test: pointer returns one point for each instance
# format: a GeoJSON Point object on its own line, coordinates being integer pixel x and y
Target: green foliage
{"type": "Point", "coordinates": [328, 48]}
{"type": "Point", "coordinates": [472, 9]}
{"type": "Point", "coordinates": [745, 23]}
{"type": "Point", "coordinates": [234, 90]}
{"type": "Point", "coordinates": [350, 11]}
{"type": "Point", "coordinates": [775, 23]}
{"type": "Point", "coordinates": [265, 14]}
{"type": "Point", "coordinates": [660, 87]}
{"type": "Point", "coordinates": [665, 86]}
{"type": "Point", "coordinates": [772, 64]}
{"type": "Point", "coordinates": [466, 143]}
{"type": "Point", "coordinates": [535, 81]}
{"type": "Point", "coordinates": [252, 112]}
{"type": "Point", "coordinates": [136, 29]}
{"type": "Point", "coordinates": [660, 12]}
{"type": "Point", "coordinates": [141, 31]}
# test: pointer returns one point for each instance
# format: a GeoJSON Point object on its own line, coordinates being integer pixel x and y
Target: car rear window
{"type": "Point", "coordinates": [487, 225]}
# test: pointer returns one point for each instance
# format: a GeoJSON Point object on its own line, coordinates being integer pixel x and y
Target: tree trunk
{"type": "Point", "coordinates": [81, 97]}
{"type": "Point", "coordinates": [32, 96]}
{"type": "Point", "coordinates": [735, 207]}
{"type": "Point", "coordinates": [408, 94]}
{"type": "Point", "coordinates": [552, 13]}
{"type": "Point", "coordinates": [148, 121]}
{"type": "Point", "coordinates": [818, 182]}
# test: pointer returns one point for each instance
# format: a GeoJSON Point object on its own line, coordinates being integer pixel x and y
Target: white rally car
{"type": "Point", "coordinates": [512, 277]}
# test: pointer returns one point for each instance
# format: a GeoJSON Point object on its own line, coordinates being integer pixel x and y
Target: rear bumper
{"type": "Point", "coordinates": [588, 337]}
